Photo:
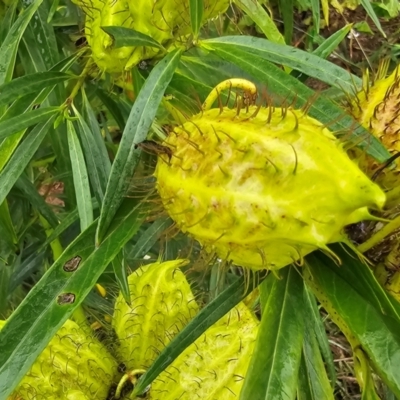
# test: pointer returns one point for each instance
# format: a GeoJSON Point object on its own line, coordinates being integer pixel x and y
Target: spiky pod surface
{"type": "Point", "coordinates": [166, 21]}
{"type": "Point", "coordinates": [377, 108]}
{"type": "Point", "coordinates": [213, 367]}
{"type": "Point", "coordinates": [73, 366]}
{"type": "Point", "coordinates": [264, 187]}
{"type": "Point", "coordinates": [161, 305]}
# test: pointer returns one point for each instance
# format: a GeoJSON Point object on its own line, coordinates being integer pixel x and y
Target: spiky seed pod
{"type": "Point", "coordinates": [214, 366]}
{"type": "Point", "coordinates": [377, 108]}
{"type": "Point", "coordinates": [74, 365]}
{"type": "Point", "coordinates": [166, 21]}
{"type": "Point", "coordinates": [161, 305]}
{"type": "Point", "coordinates": [108, 13]}
{"type": "Point", "coordinates": [263, 187]}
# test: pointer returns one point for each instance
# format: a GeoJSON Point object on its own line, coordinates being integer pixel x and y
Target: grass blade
{"type": "Point", "coordinates": [81, 179]}
{"type": "Point", "coordinates": [98, 163]}
{"type": "Point", "coordinates": [139, 122]}
{"type": "Point", "coordinates": [261, 18]}
{"type": "Point", "coordinates": [289, 56]}
{"type": "Point", "coordinates": [32, 83]}
{"type": "Point", "coordinates": [272, 373]}
{"type": "Point", "coordinates": [196, 8]}
{"type": "Point", "coordinates": [18, 123]}
{"type": "Point", "coordinates": [8, 49]}
{"type": "Point", "coordinates": [128, 37]}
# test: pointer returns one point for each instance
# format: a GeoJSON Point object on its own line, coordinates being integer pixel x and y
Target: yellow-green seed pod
{"type": "Point", "coordinates": [109, 13]}
{"type": "Point", "coordinates": [262, 187]}
{"type": "Point", "coordinates": [166, 21]}
{"type": "Point", "coordinates": [161, 305]}
{"type": "Point", "coordinates": [214, 366]}
{"type": "Point", "coordinates": [376, 107]}
{"type": "Point", "coordinates": [74, 365]}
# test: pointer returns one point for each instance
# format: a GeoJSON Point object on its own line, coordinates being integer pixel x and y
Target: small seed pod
{"type": "Point", "coordinates": [215, 365]}
{"type": "Point", "coordinates": [376, 108]}
{"type": "Point", "coordinates": [261, 187]}
{"type": "Point", "coordinates": [74, 365]}
{"type": "Point", "coordinates": [161, 305]}
{"type": "Point", "coordinates": [166, 21]}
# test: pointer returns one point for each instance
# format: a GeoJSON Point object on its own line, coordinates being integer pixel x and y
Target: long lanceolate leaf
{"type": "Point", "coordinates": [289, 88]}
{"type": "Point", "coordinates": [208, 316]}
{"type": "Point", "coordinates": [21, 157]}
{"type": "Point", "coordinates": [18, 123]}
{"type": "Point", "coordinates": [8, 49]}
{"type": "Point", "coordinates": [58, 293]}
{"type": "Point", "coordinates": [137, 127]}
{"type": "Point", "coordinates": [273, 369]}
{"type": "Point", "coordinates": [371, 316]}
{"type": "Point", "coordinates": [81, 179]}
{"type": "Point", "coordinates": [291, 57]}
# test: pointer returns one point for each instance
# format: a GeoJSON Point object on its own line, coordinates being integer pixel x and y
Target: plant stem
{"type": "Point", "coordinates": [80, 81]}
{"type": "Point", "coordinates": [380, 235]}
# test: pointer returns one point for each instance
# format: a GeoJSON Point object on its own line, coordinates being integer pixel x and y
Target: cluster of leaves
{"type": "Point", "coordinates": [68, 153]}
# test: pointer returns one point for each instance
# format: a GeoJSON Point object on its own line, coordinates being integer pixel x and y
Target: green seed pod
{"type": "Point", "coordinates": [376, 107]}
{"type": "Point", "coordinates": [161, 305]}
{"type": "Point", "coordinates": [214, 366]}
{"type": "Point", "coordinates": [166, 21]}
{"type": "Point", "coordinates": [74, 365]}
{"type": "Point", "coordinates": [262, 187]}
{"type": "Point", "coordinates": [109, 13]}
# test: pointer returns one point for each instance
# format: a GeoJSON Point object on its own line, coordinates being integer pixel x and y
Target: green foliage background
{"type": "Point", "coordinates": [65, 127]}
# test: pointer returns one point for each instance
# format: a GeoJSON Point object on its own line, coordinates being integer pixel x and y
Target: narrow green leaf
{"type": "Point", "coordinates": [289, 56]}
{"type": "Point", "coordinates": [273, 369]}
{"type": "Point", "coordinates": [121, 276]}
{"type": "Point", "coordinates": [289, 88]}
{"type": "Point", "coordinates": [311, 308]}
{"type": "Point", "coordinates": [316, 13]}
{"type": "Point", "coordinates": [196, 9]}
{"type": "Point", "coordinates": [22, 156]}
{"type": "Point", "coordinates": [96, 163]}
{"type": "Point", "coordinates": [40, 315]}
{"type": "Point", "coordinates": [128, 37]}
{"type": "Point", "coordinates": [139, 122]}
{"type": "Point", "coordinates": [313, 381]}
{"type": "Point", "coordinates": [104, 165]}
{"type": "Point", "coordinates": [81, 179]}
{"type": "Point", "coordinates": [368, 312]}
{"type": "Point", "coordinates": [5, 276]}
{"type": "Point", "coordinates": [371, 13]}
{"type": "Point", "coordinates": [8, 49]}
{"type": "Point", "coordinates": [66, 222]}
{"type": "Point", "coordinates": [33, 83]}
{"type": "Point", "coordinates": [149, 237]}
{"type": "Point", "coordinates": [208, 316]}
{"type": "Point", "coordinates": [112, 106]}
{"type": "Point", "coordinates": [325, 49]}
{"type": "Point", "coordinates": [6, 222]}
{"type": "Point", "coordinates": [287, 10]}
{"type": "Point", "coordinates": [8, 146]}
{"type": "Point", "coordinates": [8, 20]}
{"type": "Point", "coordinates": [262, 19]}
{"type": "Point", "coordinates": [24, 270]}
{"type": "Point", "coordinates": [332, 42]}
{"type": "Point", "coordinates": [40, 41]}
{"type": "Point", "coordinates": [15, 124]}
